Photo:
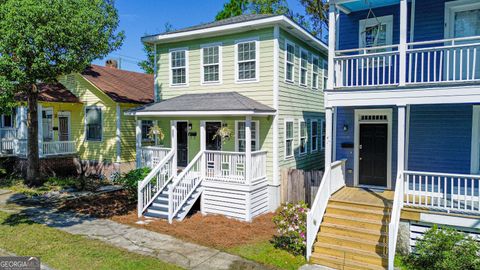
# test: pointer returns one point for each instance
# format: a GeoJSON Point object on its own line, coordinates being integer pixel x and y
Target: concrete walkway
{"type": "Point", "coordinates": [141, 241]}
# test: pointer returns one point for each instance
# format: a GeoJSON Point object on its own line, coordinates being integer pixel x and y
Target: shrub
{"type": "Point", "coordinates": [290, 221]}
{"type": "Point", "coordinates": [444, 248]}
{"type": "Point", "coordinates": [130, 179]}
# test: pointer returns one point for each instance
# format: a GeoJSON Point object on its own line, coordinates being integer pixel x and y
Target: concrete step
{"type": "Point", "coordinates": [370, 224]}
{"type": "Point", "coordinates": [351, 242]}
{"type": "Point", "coordinates": [354, 232]}
{"type": "Point", "coordinates": [344, 264]}
{"type": "Point", "coordinates": [353, 254]}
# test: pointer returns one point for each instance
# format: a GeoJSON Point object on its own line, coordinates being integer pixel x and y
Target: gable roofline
{"type": "Point", "coordinates": [236, 27]}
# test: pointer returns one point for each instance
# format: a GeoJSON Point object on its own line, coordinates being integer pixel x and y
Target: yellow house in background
{"type": "Point", "coordinates": [82, 125]}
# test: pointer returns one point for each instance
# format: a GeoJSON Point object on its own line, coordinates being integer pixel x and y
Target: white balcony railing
{"type": "Point", "coordinates": [443, 191]}
{"type": "Point", "coordinates": [8, 133]}
{"type": "Point", "coordinates": [152, 155]}
{"type": "Point", "coordinates": [58, 148]}
{"type": "Point", "coordinates": [430, 62]}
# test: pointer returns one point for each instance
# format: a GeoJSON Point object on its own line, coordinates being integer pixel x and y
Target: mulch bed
{"type": "Point", "coordinates": [103, 205]}
{"type": "Point", "coordinates": [212, 230]}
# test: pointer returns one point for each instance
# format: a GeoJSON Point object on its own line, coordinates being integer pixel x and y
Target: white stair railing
{"type": "Point", "coordinates": [395, 219]}
{"type": "Point", "coordinates": [333, 180]}
{"type": "Point", "coordinates": [150, 187]}
{"type": "Point", "coordinates": [185, 184]}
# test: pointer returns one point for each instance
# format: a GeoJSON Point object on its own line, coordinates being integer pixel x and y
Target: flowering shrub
{"type": "Point", "coordinates": [290, 221]}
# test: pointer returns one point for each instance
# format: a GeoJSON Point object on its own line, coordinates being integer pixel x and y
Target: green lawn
{"type": "Point", "coordinates": [61, 250]}
{"type": "Point", "coordinates": [267, 254]}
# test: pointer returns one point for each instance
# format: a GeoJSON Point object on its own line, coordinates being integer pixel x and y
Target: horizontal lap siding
{"type": "Point", "coordinates": [440, 138]}
{"type": "Point", "coordinates": [89, 95]}
{"type": "Point", "coordinates": [127, 131]}
{"type": "Point", "coordinates": [297, 102]}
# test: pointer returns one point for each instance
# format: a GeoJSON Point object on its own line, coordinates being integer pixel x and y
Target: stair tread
{"type": "Point", "coordinates": [346, 262]}
{"type": "Point", "coordinates": [388, 206]}
{"type": "Point", "coordinates": [352, 239]}
{"type": "Point", "coordinates": [354, 229]}
{"type": "Point", "coordinates": [355, 219]}
{"type": "Point", "coordinates": [360, 210]}
{"type": "Point", "coordinates": [350, 249]}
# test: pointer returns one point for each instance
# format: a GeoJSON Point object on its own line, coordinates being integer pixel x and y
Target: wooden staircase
{"type": "Point", "coordinates": [353, 234]}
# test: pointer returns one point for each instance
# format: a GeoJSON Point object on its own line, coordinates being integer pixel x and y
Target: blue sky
{"type": "Point", "coordinates": [140, 17]}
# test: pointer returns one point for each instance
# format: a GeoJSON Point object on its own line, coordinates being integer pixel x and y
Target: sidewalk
{"type": "Point", "coordinates": [141, 241]}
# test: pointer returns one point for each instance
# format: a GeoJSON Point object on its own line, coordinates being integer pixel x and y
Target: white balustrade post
{"type": "Point", "coordinates": [328, 137]}
{"type": "Point", "coordinates": [22, 127]}
{"type": "Point", "coordinates": [203, 147]}
{"type": "Point", "coordinates": [332, 25]}
{"type": "Point", "coordinates": [40, 130]}
{"type": "Point", "coordinates": [173, 135]}
{"type": "Point", "coordinates": [248, 149]}
{"type": "Point", "coordinates": [402, 48]}
{"type": "Point", "coordinates": [138, 141]}
{"type": "Point", "coordinates": [401, 139]}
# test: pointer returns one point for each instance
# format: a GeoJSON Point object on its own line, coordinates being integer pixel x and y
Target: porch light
{"type": "Point", "coordinates": [190, 126]}
{"type": "Point", "coordinates": [345, 127]}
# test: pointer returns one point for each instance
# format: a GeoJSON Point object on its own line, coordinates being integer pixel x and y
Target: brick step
{"type": "Point", "coordinates": [351, 254]}
{"type": "Point", "coordinates": [344, 264]}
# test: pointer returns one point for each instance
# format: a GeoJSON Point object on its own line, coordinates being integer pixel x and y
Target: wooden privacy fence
{"type": "Point", "coordinates": [299, 185]}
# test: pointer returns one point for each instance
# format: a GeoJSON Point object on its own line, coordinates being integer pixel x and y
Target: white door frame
{"type": "Point", "coordinates": [358, 113]}
{"type": "Point", "coordinates": [65, 114]}
{"type": "Point", "coordinates": [188, 139]}
{"type": "Point", "coordinates": [203, 139]}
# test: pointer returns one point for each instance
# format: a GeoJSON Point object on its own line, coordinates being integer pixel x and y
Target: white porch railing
{"type": "Point", "coordinates": [8, 133]}
{"type": "Point", "coordinates": [152, 155]}
{"type": "Point", "coordinates": [395, 220]}
{"type": "Point", "coordinates": [439, 61]}
{"type": "Point", "coordinates": [184, 185]}
{"type": "Point", "coordinates": [58, 148]}
{"type": "Point", "coordinates": [149, 188]}
{"type": "Point", "coordinates": [443, 191]}
{"type": "Point", "coordinates": [8, 147]}
{"type": "Point", "coordinates": [333, 180]}
{"type": "Point", "coordinates": [259, 165]}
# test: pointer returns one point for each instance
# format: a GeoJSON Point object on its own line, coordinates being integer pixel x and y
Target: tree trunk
{"type": "Point", "coordinates": [33, 168]}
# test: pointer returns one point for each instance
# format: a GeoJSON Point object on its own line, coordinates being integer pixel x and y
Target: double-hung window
{"type": "Point", "coordinates": [247, 60]}
{"type": "Point", "coordinates": [325, 74]}
{"type": "Point", "coordinates": [302, 137]}
{"type": "Point", "coordinates": [211, 69]}
{"type": "Point", "coordinates": [146, 127]}
{"type": "Point", "coordinates": [7, 121]}
{"type": "Point", "coordinates": [303, 67]}
{"type": "Point", "coordinates": [289, 61]}
{"type": "Point", "coordinates": [323, 134]}
{"type": "Point", "coordinates": [376, 32]}
{"type": "Point", "coordinates": [314, 135]}
{"type": "Point", "coordinates": [47, 124]}
{"type": "Point", "coordinates": [288, 138]}
{"type": "Point", "coordinates": [241, 142]}
{"type": "Point", "coordinates": [93, 123]}
{"type": "Point", "coordinates": [315, 69]}
{"type": "Point", "coordinates": [178, 67]}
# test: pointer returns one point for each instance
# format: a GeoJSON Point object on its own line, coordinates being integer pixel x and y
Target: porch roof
{"type": "Point", "coordinates": [225, 103]}
{"type": "Point", "coordinates": [52, 92]}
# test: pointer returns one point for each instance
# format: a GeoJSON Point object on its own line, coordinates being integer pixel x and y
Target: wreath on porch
{"type": "Point", "coordinates": [225, 133]}
{"type": "Point", "coordinates": [156, 132]}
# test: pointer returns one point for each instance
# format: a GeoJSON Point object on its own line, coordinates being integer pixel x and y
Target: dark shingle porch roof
{"type": "Point", "coordinates": [225, 103]}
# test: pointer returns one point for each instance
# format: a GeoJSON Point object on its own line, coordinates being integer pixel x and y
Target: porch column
{"type": "Point", "coordinates": [248, 164]}
{"type": "Point", "coordinates": [173, 135]}
{"type": "Point", "coordinates": [22, 123]}
{"type": "Point", "coordinates": [332, 25]}
{"type": "Point", "coordinates": [203, 146]}
{"type": "Point", "coordinates": [40, 130]}
{"type": "Point", "coordinates": [401, 139]}
{"type": "Point", "coordinates": [402, 48]}
{"type": "Point", "coordinates": [328, 137]}
{"type": "Point", "coordinates": [138, 141]}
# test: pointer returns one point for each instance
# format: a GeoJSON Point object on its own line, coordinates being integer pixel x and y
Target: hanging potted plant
{"type": "Point", "coordinates": [225, 133]}
{"type": "Point", "coordinates": [156, 132]}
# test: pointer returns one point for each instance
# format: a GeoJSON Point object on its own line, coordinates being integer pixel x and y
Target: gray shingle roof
{"type": "Point", "coordinates": [232, 20]}
{"type": "Point", "coordinates": [225, 101]}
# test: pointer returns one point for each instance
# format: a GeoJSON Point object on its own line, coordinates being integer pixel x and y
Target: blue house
{"type": "Point", "coordinates": [403, 128]}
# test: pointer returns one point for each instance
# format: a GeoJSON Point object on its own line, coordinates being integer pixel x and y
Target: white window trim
{"type": "Point", "coordinates": [2, 124]}
{"type": "Point", "coordinates": [186, 67]}
{"type": "Point", "coordinates": [257, 137]}
{"type": "Point", "coordinates": [147, 139]}
{"type": "Point", "coordinates": [318, 70]}
{"type": "Point", "coordinates": [288, 120]}
{"type": "Point", "coordinates": [85, 122]}
{"type": "Point", "coordinates": [388, 20]}
{"type": "Point", "coordinates": [300, 153]}
{"type": "Point", "coordinates": [220, 61]}
{"type": "Point", "coordinates": [456, 6]}
{"type": "Point", "coordinates": [322, 140]}
{"type": "Point", "coordinates": [65, 114]}
{"type": "Point", "coordinates": [311, 136]}
{"type": "Point", "coordinates": [324, 74]}
{"type": "Point", "coordinates": [257, 60]}
{"type": "Point", "coordinates": [475, 146]}
{"type": "Point", "coordinates": [300, 68]}
{"type": "Point", "coordinates": [288, 42]}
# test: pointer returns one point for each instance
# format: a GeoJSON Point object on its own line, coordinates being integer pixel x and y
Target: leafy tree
{"type": "Point", "coordinates": [317, 11]}
{"type": "Point", "coordinates": [444, 249]}
{"type": "Point", "coordinates": [149, 64]}
{"type": "Point", "coordinates": [239, 7]}
{"type": "Point", "coordinates": [43, 39]}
